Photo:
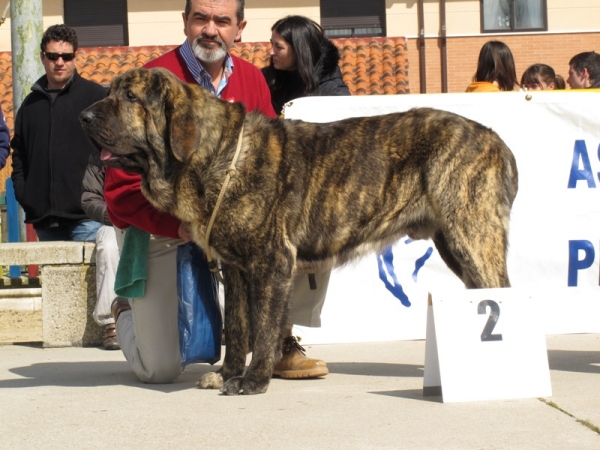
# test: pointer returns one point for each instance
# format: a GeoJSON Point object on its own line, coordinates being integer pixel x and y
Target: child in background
{"type": "Point", "coordinates": [541, 77]}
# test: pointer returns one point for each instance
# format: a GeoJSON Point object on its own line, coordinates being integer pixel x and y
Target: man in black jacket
{"type": "Point", "coordinates": [51, 151]}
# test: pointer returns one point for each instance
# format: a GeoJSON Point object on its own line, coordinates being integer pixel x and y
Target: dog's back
{"type": "Point", "coordinates": [359, 184]}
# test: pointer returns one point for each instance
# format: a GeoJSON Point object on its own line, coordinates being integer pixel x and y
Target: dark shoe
{"type": "Point", "coordinates": [109, 340]}
{"type": "Point", "coordinates": [295, 364]}
{"type": "Point", "coordinates": [119, 305]}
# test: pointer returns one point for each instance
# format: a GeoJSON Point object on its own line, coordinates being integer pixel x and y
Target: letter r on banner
{"type": "Point", "coordinates": [576, 264]}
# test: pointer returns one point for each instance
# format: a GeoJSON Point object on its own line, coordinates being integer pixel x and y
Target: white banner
{"type": "Point", "coordinates": [555, 223]}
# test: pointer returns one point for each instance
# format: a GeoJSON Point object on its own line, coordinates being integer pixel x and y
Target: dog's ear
{"type": "Point", "coordinates": [183, 133]}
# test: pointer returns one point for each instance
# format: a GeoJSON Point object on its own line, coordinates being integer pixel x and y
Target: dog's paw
{"type": "Point", "coordinates": [211, 380]}
{"type": "Point", "coordinates": [232, 386]}
{"type": "Point", "coordinates": [250, 387]}
{"type": "Point", "coordinates": [244, 386]}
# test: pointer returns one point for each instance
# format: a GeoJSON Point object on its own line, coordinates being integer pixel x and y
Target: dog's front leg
{"type": "Point", "coordinates": [270, 292]}
{"type": "Point", "coordinates": [237, 330]}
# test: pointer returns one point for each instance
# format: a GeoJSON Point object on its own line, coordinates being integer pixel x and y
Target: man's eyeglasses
{"type": "Point", "coordinates": [54, 56]}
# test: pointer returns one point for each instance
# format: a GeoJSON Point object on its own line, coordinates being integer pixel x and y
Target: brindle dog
{"type": "Point", "coordinates": [305, 196]}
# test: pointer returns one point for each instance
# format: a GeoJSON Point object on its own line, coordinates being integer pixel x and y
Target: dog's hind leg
{"type": "Point", "coordinates": [237, 330]}
{"type": "Point", "coordinates": [476, 254]}
{"type": "Point", "coordinates": [472, 227]}
{"type": "Point", "coordinates": [270, 292]}
{"type": "Point", "coordinates": [489, 268]}
{"type": "Point", "coordinates": [446, 254]}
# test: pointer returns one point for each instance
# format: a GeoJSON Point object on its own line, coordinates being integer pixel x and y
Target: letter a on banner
{"type": "Point", "coordinates": [485, 344]}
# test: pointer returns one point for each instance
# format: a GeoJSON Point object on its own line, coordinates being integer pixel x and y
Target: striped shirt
{"type": "Point", "coordinates": [201, 76]}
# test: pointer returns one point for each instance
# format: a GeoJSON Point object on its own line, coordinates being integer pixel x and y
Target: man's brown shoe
{"type": "Point", "coordinates": [295, 364]}
{"type": "Point", "coordinates": [109, 339]}
{"type": "Point", "coordinates": [119, 305]}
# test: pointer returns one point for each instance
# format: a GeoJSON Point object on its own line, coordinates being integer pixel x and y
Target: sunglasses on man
{"type": "Point", "coordinates": [54, 56]}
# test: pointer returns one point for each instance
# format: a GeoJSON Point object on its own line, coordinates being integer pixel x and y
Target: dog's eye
{"type": "Point", "coordinates": [131, 96]}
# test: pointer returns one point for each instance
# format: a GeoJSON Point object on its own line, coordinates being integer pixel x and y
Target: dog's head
{"type": "Point", "coordinates": [148, 118]}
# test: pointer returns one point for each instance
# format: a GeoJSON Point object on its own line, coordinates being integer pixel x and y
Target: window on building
{"type": "Point", "coordinates": [98, 23]}
{"type": "Point", "coordinates": [513, 15]}
{"type": "Point", "coordinates": [353, 18]}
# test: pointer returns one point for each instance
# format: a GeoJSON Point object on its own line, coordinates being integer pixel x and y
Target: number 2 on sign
{"type": "Point", "coordinates": [486, 334]}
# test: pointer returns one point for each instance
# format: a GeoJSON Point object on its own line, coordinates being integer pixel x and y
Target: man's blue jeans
{"type": "Point", "coordinates": [76, 231]}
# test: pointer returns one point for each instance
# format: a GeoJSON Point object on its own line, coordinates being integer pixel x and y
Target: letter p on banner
{"type": "Point", "coordinates": [576, 264]}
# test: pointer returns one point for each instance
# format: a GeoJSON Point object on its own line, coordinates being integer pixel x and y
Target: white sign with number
{"type": "Point", "coordinates": [485, 344]}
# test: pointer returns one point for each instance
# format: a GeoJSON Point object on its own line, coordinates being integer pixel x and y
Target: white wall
{"type": "Point", "coordinates": [159, 22]}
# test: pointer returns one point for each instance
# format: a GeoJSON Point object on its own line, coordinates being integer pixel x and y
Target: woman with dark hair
{"type": "Point", "coordinates": [495, 69]}
{"type": "Point", "coordinates": [541, 77]}
{"type": "Point", "coordinates": [303, 62]}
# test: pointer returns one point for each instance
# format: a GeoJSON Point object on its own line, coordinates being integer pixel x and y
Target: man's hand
{"type": "Point", "coordinates": [183, 233]}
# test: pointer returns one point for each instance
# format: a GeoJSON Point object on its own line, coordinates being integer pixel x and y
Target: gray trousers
{"type": "Point", "coordinates": [149, 333]}
{"type": "Point", "coordinates": [107, 260]}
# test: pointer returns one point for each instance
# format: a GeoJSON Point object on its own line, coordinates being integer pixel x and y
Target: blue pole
{"type": "Point", "coordinates": [26, 30]}
{"type": "Point", "coordinates": [12, 217]}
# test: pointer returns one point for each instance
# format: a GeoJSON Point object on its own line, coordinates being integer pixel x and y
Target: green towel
{"type": "Point", "coordinates": [132, 272]}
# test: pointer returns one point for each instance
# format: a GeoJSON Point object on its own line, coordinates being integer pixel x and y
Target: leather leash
{"type": "Point", "coordinates": [230, 172]}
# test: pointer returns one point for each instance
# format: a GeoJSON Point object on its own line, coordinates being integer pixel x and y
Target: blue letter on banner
{"type": "Point", "coordinates": [585, 174]}
{"type": "Point", "coordinates": [575, 264]}
{"type": "Point", "coordinates": [385, 261]}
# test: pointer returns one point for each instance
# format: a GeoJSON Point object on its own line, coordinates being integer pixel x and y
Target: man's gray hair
{"type": "Point", "coordinates": [239, 12]}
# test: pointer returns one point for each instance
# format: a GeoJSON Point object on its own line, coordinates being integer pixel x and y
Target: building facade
{"type": "Point", "coordinates": [443, 36]}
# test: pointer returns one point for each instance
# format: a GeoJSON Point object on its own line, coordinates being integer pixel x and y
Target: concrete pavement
{"type": "Point", "coordinates": [87, 398]}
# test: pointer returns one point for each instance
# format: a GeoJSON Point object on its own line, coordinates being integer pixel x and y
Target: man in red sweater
{"type": "Point", "coordinates": [147, 327]}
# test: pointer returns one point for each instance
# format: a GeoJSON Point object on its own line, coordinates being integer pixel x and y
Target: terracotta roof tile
{"type": "Point", "coordinates": [369, 66]}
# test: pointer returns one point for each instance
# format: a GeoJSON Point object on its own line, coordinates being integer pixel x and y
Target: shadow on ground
{"type": "Point", "coordinates": [574, 361]}
{"type": "Point", "coordinates": [96, 373]}
{"type": "Point", "coordinates": [118, 373]}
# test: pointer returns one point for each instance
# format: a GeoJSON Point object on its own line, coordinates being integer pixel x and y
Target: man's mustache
{"type": "Point", "coordinates": [204, 37]}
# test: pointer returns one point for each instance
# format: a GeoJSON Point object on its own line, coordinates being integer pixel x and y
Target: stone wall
{"type": "Point", "coordinates": [68, 289]}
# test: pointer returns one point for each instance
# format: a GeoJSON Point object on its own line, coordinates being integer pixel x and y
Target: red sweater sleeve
{"type": "Point", "coordinates": [126, 205]}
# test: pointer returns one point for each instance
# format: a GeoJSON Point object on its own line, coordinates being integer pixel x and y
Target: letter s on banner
{"type": "Point", "coordinates": [576, 264]}
{"type": "Point", "coordinates": [584, 174]}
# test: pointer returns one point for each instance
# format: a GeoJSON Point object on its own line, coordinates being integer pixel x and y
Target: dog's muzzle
{"type": "Point", "coordinates": [86, 117]}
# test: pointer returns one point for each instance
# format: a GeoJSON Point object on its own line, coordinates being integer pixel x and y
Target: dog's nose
{"type": "Point", "coordinates": [87, 116]}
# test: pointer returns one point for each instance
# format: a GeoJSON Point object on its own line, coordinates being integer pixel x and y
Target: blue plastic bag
{"type": "Point", "coordinates": [199, 316]}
